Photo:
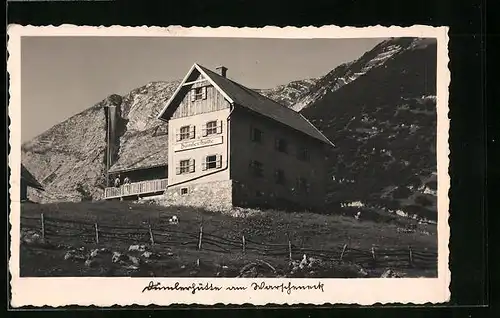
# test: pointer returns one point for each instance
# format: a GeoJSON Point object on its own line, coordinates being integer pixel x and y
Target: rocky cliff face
{"type": "Point", "coordinates": [379, 110]}
{"type": "Point", "coordinates": [290, 93]}
{"type": "Point", "coordinates": [69, 158]}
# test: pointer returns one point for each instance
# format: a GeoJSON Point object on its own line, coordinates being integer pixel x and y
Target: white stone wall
{"type": "Point", "coordinates": [213, 196]}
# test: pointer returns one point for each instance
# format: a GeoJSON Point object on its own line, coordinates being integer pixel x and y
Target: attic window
{"type": "Point", "coordinates": [199, 93]}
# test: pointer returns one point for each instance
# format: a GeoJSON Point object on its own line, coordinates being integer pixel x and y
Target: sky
{"type": "Point", "coordinates": [62, 76]}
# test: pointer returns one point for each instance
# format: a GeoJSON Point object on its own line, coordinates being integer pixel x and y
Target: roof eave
{"type": "Point", "coordinates": [324, 139]}
{"type": "Point", "coordinates": [177, 90]}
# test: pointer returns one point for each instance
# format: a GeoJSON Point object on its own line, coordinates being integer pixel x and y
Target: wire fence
{"type": "Point", "coordinates": [51, 228]}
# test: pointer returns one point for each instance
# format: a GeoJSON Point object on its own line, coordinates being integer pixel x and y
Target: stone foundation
{"type": "Point", "coordinates": [247, 196]}
{"type": "Point", "coordinates": [213, 196]}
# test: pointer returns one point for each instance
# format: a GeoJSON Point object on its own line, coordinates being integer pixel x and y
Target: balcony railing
{"type": "Point", "coordinates": [136, 188]}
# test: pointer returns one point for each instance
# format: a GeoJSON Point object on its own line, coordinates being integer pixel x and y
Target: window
{"type": "Point", "coordinates": [184, 191]}
{"type": "Point", "coordinates": [256, 135]}
{"type": "Point", "coordinates": [212, 128]}
{"type": "Point", "coordinates": [303, 154]}
{"type": "Point", "coordinates": [199, 93]}
{"type": "Point", "coordinates": [185, 133]}
{"type": "Point", "coordinates": [212, 162]}
{"type": "Point", "coordinates": [281, 145]}
{"type": "Point", "coordinates": [185, 166]}
{"type": "Point", "coordinates": [256, 168]}
{"type": "Point", "coordinates": [279, 176]}
{"type": "Point", "coordinates": [302, 185]}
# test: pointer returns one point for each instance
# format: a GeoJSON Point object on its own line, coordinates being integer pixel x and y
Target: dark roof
{"type": "Point", "coordinates": [258, 103]}
{"type": "Point", "coordinates": [134, 156]}
{"type": "Point", "coordinates": [30, 179]}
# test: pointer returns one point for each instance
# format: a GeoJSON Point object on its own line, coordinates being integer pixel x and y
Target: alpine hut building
{"type": "Point", "coordinates": [231, 146]}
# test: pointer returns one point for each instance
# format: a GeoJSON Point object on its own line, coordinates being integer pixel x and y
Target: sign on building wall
{"type": "Point", "coordinates": [197, 143]}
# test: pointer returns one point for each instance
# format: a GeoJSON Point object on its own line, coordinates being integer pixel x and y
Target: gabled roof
{"type": "Point", "coordinates": [30, 179]}
{"type": "Point", "coordinates": [240, 95]}
{"type": "Point", "coordinates": [134, 156]}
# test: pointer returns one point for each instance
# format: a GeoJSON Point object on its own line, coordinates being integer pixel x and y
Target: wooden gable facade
{"type": "Point", "coordinates": [199, 96]}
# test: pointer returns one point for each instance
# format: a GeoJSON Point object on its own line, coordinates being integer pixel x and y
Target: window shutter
{"type": "Point", "coordinates": [193, 95]}
{"type": "Point", "coordinates": [276, 143]}
{"type": "Point", "coordinates": [192, 132]}
{"type": "Point", "coordinates": [205, 131]}
{"type": "Point", "coordinates": [191, 165]}
{"type": "Point", "coordinates": [219, 128]}
{"type": "Point", "coordinates": [219, 161]}
{"type": "Point", "coordinates": [177, 135]}
{"type": "Point", "coordinates": [252, 137]}
{"type": "Point", "coordinates": [204, 92]}
{"type": "Point", "coordinates": [204, 164]}
{"type": "Point", "coordinates": [178, 170]}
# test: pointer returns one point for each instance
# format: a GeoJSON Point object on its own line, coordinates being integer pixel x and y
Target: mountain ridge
{"type": "Point", "coordinates": [69, 158]}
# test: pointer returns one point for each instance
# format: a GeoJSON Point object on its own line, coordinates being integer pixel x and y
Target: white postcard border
{"type": "Point", "coordinates": [128, 291]}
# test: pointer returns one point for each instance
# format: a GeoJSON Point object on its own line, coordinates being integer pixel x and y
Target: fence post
{"type": "Point", "coordinates": [201, 235]}
{"type": "Point", "coordinates": [96, 233]}
{"type": "Point", "coordinates": [151, 236]}
{"type": "Point", "coordinates": [43, 226]}
{"type": "Point", "coordinates": [373, 254]}
{"type": "Point", "coordinates": [343, 251]}
{"type": "Point", "coordinates": [290, 250]}
{"type": "Point", "coordinates": [243, 242]}
{"type": "Point", "coordinates": [410, 254]}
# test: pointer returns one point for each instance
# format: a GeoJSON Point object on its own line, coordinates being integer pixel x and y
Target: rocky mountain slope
{"type": "Point", "coordinates": [348, 72]}
{"type": "Point", "coordinates": [69, 159]}
{"type": "Point", "coordinates": [379, 110]}
{"type": "Point", "coordinates": [290, 93]}
{"type": "Point", "coordinates": [384, 127]}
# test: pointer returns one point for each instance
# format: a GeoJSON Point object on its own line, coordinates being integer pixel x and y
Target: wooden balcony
{"type": "Point", "coordinates": [142, 188]}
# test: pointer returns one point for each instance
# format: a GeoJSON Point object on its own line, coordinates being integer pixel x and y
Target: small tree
{"type": "Point", "coordinates": [84, 192]}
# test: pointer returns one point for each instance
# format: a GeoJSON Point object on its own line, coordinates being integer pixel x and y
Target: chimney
{"type": "Point", "coordinates": [221, 70]}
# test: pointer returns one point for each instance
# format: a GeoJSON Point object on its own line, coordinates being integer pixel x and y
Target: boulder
{"type": "Point", "coordinates": [150, 255]}
{"type": "Point", "coordinates": [137, 248]}
{"type": "Point", "coordinates": [135, 260]}
{"type": "Point", "coordinates": [74, 255]}
{"type": "Point", "coordinates": [31, 237]}
{"type": "Point", "coordinates": [117, 257]}
{"type": "Point", "coordinates": [91, 263]}
{"type": "Point", "coordinates": [94, 253]}
{"type": "Point", "coordinates": [389, 273]}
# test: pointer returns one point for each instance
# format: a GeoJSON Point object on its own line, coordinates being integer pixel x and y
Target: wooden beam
{"type": "Point", "coordinates": [194, 82]}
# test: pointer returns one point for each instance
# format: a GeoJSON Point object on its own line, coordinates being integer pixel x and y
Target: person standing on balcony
{"type": "Point", "coordinates": [126, 180]}
{"type": "Point", "coordinates": [117, 181]}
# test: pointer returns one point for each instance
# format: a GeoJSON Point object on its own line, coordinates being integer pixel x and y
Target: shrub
{"type": "Point", "coordinates": [401, 192]}
{"type": "Point", "coordinates": [423, 200]}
